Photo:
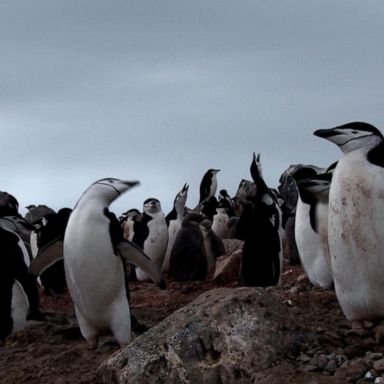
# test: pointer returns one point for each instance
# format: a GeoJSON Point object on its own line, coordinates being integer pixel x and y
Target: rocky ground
{"type": "Point", "coordinates": [54, 352]}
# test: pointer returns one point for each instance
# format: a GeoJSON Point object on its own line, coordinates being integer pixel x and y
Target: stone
{"type": "Point", "coordinates": [331, 367]}
{"type": "Point", "coordinates": [379, 333]}
{"type": "Point", "coordinates": [353, 370]}
{"type": "Point", "coordinates": [232, 245]}
{"type": "Point", "coordinates": [371, 375]}
{"type": "Point", "coordinates": [226, 335]}
{"type": "Point", "coordinates": [227, 268]}
{"type": "Point", "coordinates": [378, 365]}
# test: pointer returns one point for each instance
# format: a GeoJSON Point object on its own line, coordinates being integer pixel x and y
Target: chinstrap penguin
{"type": "Point", "coordinates": [311, 215]}
{"type": "Point", "coordinates": [155, 235]}
{"type": "Point", "coordinates": [261, 259]}
{"type": "Point", "coordinates": [356, 219]}
{"type": "Point", "coordinates": [188, 258]}
{"type": "Point", "coordinates": [95, 252]}
{"type": "Point", "coordinates": [174, 220]}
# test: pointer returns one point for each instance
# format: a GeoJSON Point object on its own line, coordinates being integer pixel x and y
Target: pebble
{"type": "Point", "coordinates": [304, 358]}
{"type": "Point", "coordinates": [374, 355]}
{"type": "Point", "coordinates": [371, 375]}
{"type": "Point", "coordinates": [331, 367]}
{"type": "Point", "coordinates": [378, 365]}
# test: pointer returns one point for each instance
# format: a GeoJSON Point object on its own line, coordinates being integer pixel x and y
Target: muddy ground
{"type": "Point", "coordinates": [54, 351]}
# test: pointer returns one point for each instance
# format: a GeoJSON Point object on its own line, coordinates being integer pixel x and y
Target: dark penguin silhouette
{"type": "Point", "coordinates": [208, 184]}
{"type": "Point", "coordinates": [209, 207]}
{"type": "Point", "coordinates": [9, 205]}
{"type": "Point", "coordinates": [53, 278]}
{"type": "Point", "coordinates": [13, 267]}
{"type": "Point", "coordinates": [188, 258]}
{"type": "Point", "coordinates": [261, 259]}
{"type": "Point", "coordinates": [225, 201]}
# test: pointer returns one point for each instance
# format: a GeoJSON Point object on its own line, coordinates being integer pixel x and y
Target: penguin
{"type": "Point", "coordinates": [208, 184]}
{"type": "Point", "coordinates": [213, 246]}
{"type": "Point", "coordinates": [312, 213]}
{"type": "Point", "coordinates": [261, 259]}
{"type": "Point", "coordinates": [188, 258]}
{"type": "Point", "coordinates": [155, 231]}
{"type": "Point", "coordinates": [209, 207]}
{"type": "Point", "coordinates": [9, 206]}
{"type": "Point", "coordinates": [225, 201]}
{"type": "Point", "coordinates": [50, 239]}
{"type": "Point", "coordinates": [356, 220]}
{"type": "Point", "coordinates": [95, 252]}
{"type": "Point", "coordinates": [220, 223]}
{"type": "Point", "coordinates": [174, 220]}
{"type": "Point", "coordinates": [128, 228]}
{"type": "Point", "coordinates": [19, 297]}
{"type": "Point", "coordinates": [13, 300]}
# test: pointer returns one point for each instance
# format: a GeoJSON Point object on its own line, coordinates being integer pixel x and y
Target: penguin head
{"type": "Point", "coordinates": [223, 194]}
{"type": "Point", "coordinates": [317, 186]}
{"type": "Point", "coordinates": [111, 188]}
{"type": "Point", "coordinates": [151, 206]}
{"type": "Point", "coordinates": [9, 206]}
{"type": "Point", "coordinates": [182, 195]}
{"type": "Point", "coordinates": [131, 213]}
{"type": "Point", "coordinates": [351, 136]}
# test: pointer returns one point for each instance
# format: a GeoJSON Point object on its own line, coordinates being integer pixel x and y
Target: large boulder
{"type": "Point", "coordinates": [226, 335]}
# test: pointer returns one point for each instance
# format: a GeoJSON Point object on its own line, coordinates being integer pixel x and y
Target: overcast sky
{"type": "Point", "coordinates": [162, 90]}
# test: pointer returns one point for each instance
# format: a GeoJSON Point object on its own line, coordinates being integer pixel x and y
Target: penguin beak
{"type": "Point", "coordinates": [185, 187]}
{"type": "Point", "coordinates": [131, 184]}
{"type": "Point", "coordinates": [326, 133]}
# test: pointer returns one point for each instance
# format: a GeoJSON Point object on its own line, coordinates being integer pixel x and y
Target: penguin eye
{"type": "Point", "coordinates": [111, 181]}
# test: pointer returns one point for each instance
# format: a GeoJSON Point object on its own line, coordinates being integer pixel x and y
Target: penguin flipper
{"type": "Point", "coordinates": [134, 255]}
{"type": "Point", "coordinates": [47, 256]}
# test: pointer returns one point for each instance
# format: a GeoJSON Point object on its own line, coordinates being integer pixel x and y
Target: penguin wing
{"type": "Point", "coordinates": [134, 255]}
{"type": "Point", "coordinates": [47, 255]}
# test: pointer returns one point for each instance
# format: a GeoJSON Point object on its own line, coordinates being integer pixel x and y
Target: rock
{"type": "Point", "coordinates": [36, 213]}
{"type": "Point", "coordinates": [371, 375]}
{"type": "Point", "coordinates": [353, 370]}
{"type": "Point", "coordinates": [378, 365]}
{"type": "Point", "coordinates": [227, 268]}
{"type": "Point", "coordinates": [224, 336]}
{"type": "Point", "coordinates": [232, 245]}
{"type": "Point", "coordinates": [379, 333]}
{"type": "Point", "coordinates": [321, 361]}
{"type": "Point", "coordinates": [374, 356]}
{"type": "Point", "coordinates": [331, 367]}
{"type": "Point", "coordinates": [287, 187]}
{"type": "Point", "coordinates": [340, 360]}
{"type": "Point", "coordinates": [290, 251]}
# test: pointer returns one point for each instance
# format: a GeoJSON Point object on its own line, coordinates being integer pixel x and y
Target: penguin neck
{"type": "Point", "coordinates": [179, 208]}
{"type": "Point", "coordinates": [365, 144]}
{"type": "Point", "coordinates": [92, 198]}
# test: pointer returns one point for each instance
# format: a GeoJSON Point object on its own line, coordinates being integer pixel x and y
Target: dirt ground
{"type": "Point", "coordinates": [54, 351]}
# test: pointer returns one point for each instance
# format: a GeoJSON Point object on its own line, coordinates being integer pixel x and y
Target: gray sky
{"type": "Point", "coordinates": [162, 90]}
